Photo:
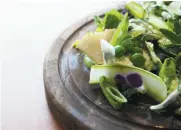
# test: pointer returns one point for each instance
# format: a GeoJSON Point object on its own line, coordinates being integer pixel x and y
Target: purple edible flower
{"type": "Point", "coordinates": [135, 80]}
{"type": "Point", "coordinates": [121, 80]}
{"type": "Point", "coordinates": [131, 80]}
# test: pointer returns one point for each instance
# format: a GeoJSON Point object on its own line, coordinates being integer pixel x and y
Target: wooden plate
{"type": "Point", "coordinates": [79, 106]}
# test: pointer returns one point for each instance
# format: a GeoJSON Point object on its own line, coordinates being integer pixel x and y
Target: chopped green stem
{"type": "Point", "coordinates": [112, 94]}
{"type": "Point", "coordinates": [153, 55]}
{"type": "Point", "coordinates": [150, 34]}
{"type": "Point", "coordinates": [116, 95]}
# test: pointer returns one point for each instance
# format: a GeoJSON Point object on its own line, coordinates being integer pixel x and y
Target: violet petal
{"type": "Point", "coordinates": [121, 80]}
{"type": "Point", "coordinates": [135, 80]}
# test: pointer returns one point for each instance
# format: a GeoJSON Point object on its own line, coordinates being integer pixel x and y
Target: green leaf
{"type": "Point", "coordinates": [111, 22]}
{"type": "Point", "coordinates": [174, 48]}
{"type": "Point", "coordinates": [121, 30]}
{"type": "Point", "coordinates": [170, 23]}
{"type": "Point", "coordinates": [128, 44]}
{"type": "Point", "coordinates": [123, 38]}
{"type": "Point", "coordinates": [177, 28]}
{"type": "Point", "coordinates": [170, 35]}
{"type": "Point", "coordinates": [115, 13]}
{"type": "Point", "coordinates": [112, 19]}
{"type": "Point", "coordinates": [168, 68]}
{"type": "Point", "coordinates": [166, 51]}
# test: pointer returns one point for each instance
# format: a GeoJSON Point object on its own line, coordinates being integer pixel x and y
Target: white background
{"type": "Point", "coordinates": [27, 30]}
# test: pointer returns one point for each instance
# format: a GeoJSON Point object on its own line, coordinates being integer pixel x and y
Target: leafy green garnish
{"type": "Point", "coordinates": [110, 20]}
{"type": "Point", "coordinates": [139, 12]}
{"type": "Point", "coordinates": [167, 51]}
{"type": "Point", "coordinates": [177, 28]}
{"type": "Point", "coordinates": [173, 48]}
{"type": "Point", "coordinates": [173, 37]}
{"type": "Point", "coordinates": [168, 74]}
{"type": "Point", "coordinates": [121, 31]}
{"type": "Point", "coordinates": [111, 93]}
{"type": "Point", "coordinates": [128, 44]}
{"type": "Point", "coordinates": [168, 69]}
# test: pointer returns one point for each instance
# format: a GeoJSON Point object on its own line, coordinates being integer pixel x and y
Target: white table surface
{"type": "Point", "coordinates": [27, 30]}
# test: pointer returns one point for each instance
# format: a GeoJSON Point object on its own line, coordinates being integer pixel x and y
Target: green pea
{"type": "Point", "coordinates": [119, 51]}
{"type": "Point", "coordinates": [138, 50]}
{"type": "Point", "coordinates": [128, 45]}
{"type": "Point", "coordinates": [137, 59]}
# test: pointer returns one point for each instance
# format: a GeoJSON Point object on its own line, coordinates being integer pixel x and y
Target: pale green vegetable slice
{"type": "Point", "coordinates": [90, 44]}
{"type": "Point", "coordinates": [171, 98]}
{"type": "Point", "coordinates": [154, 84]}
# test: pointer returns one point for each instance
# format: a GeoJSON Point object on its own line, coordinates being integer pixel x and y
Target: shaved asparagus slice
{"type": "Point", "coordinates": [170, 99]}
{"type": "Point", "coordinates": [154, 84]}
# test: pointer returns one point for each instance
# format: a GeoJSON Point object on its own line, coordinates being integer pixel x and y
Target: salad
{"type": "Point", "coordinates": [136, 50]}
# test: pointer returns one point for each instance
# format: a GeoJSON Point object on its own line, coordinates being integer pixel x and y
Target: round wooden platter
{"type": "Point", "coordinates": [79, 106]}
